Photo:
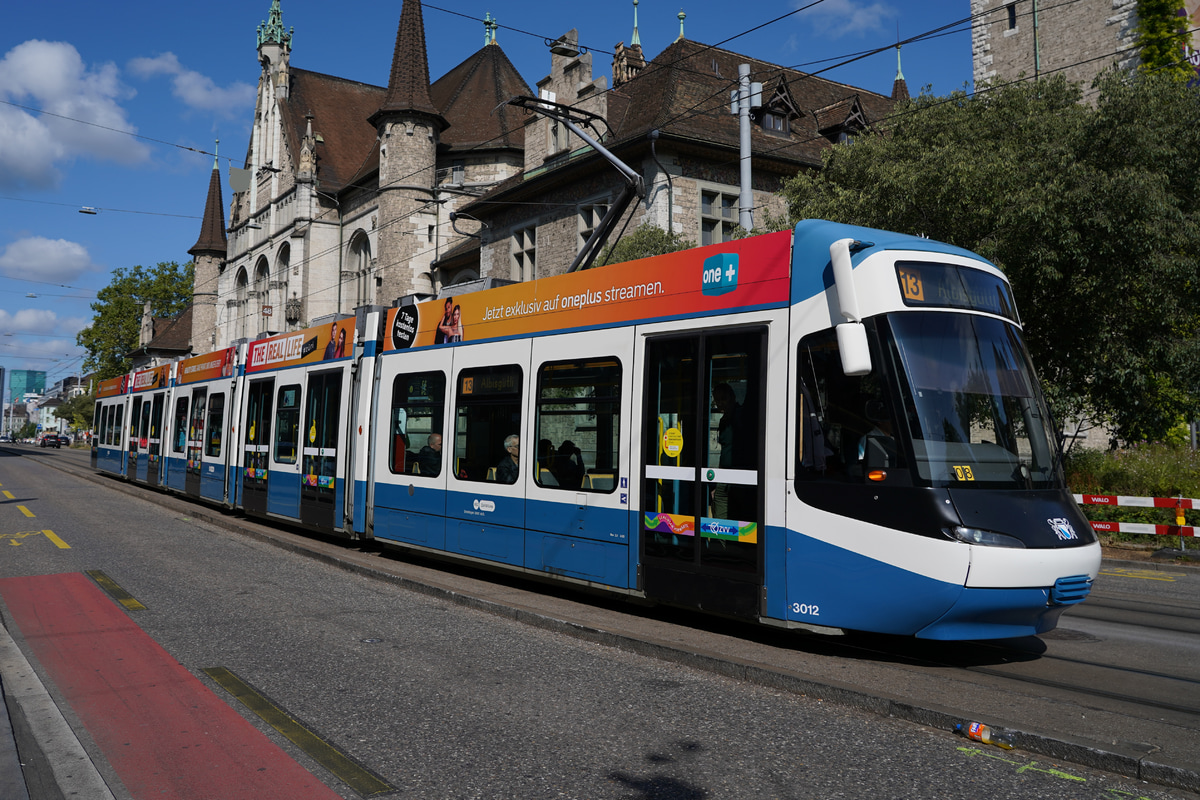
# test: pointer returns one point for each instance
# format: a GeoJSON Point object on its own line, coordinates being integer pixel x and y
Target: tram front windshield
{"type": "Point", "coordinates": [971, 403]}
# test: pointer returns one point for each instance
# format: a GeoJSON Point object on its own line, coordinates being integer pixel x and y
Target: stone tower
{"type": "Point", "coordinates": [410, 127]}
{"type": "Point", "coordinates": [209, 253]}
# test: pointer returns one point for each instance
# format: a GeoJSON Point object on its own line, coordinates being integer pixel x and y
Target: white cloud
{"type": "Point", "coordinates": [40, 259]}
{"type": "Point", "coordinates": [29, 320]}
{"type": "Point", "coordinates": [194, 89]}
{"type": "Point", "coordinates": [51, 77]}
{"type": "Point", "coordinates": [838, 18]}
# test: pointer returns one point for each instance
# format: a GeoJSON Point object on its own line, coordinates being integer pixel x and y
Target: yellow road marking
{"type": "Point", "coordinates": [26, 511]}
{"type": "Point", "coordinates": [59, 543]}
{"type": "Point", "coordinates": [1145, 574]}
{"type": "Point", "coordinates": [114, 589]}
{"type": "Point", "coordinates": [353, 775]}
{"type": "Point", "coordinates": [9, 495]}
{"type": "Point", "coordinates": [14, 538]}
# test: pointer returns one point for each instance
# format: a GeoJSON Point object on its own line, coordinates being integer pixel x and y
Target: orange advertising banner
{"type": "Point", "coordinates": [149, 379]}
{"type": "Point", "coordinates": [309, 346]}
{"type": "Point", "coordinates": [113, 386]}
{"type": "Point", "coordinates": [205, 367]}
{"type": "Point", "coordinates": [738, 274]}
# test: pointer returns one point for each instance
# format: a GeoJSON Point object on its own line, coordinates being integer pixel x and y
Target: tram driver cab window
{"type": "Point", "coordinates": [846, 424]}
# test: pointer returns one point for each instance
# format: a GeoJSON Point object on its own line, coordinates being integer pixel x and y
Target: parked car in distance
{"type": "Point", "coordinates": [48, 440]}
{"type": "Point", "coordinates": [64, 440]}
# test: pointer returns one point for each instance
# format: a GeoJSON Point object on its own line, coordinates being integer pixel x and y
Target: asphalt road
{"type": "Point", "coordinates": [452, 684]}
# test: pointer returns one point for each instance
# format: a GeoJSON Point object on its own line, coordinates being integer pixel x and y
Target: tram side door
{"type": "Point", "coordinates": [154, 439]}
{"type": "Point", "coordinates": [283, 489]}
{"type": "Point", "coordinates": [135, 419]}
{"type": "Point", "coordinates": [321, 433]}
{"type": "Point", "coordinates": [195, 441]}
{"type": "Point", "coordinates": [702, 456]}
{"type": "Point", "coordinates": [256, 448]}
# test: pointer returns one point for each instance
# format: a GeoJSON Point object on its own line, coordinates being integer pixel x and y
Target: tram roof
{"type": "Point", "coordinates": [813, 236]}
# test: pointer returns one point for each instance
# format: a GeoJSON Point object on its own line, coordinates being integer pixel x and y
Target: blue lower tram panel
{"type": "Point", "coordinates": [606, 563]}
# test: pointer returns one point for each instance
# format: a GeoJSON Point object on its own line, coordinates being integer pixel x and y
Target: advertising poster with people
{"type": "Point", "coordinates": [738, 274]}
{"type": "Point", "coordinates": [206, 367]}
{"type": "Point", "coordinates": [150, 379]}
{"type": "Point", "coordinates": [309, 346]}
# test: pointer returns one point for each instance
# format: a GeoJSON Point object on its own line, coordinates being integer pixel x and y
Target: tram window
{"type": "Point", "coordinates": [97, 420]}
{"type": "Point", "coordinates": [116, 426]}
{"type": "Point", "coordinates": [487, 414]}
{"type": "Point", "coordinates": [104, 433]}
{"type": "Point", "coordinates": [578, 425]}
{"type": "Point", "coordinates": [287, 424]}
{"type": "Point", "coordinates": [180, 430]}
{"type": "Point", "coordinates": [417, 423]}
{"type": "Point", "coordinates": [145, 428]}
{"type": "Point", "coordinates": [216, 421]}
{"type": "Point", "coordinates": [845, 423]}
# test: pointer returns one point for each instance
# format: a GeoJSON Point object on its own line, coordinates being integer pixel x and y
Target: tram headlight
{"type": "Point", "coordinates": [984, 537]}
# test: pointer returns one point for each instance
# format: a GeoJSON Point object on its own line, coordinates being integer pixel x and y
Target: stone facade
{"type": "Point", "coordinates": [348, 189]}
{"type": "Point", "coordinates": [1078, 40]}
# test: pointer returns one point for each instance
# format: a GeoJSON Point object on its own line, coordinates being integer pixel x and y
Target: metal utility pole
{"type": "Point", "coordinates": [748, 95]}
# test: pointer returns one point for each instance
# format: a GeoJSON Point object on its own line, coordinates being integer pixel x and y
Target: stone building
{"type": "Point", "coordinates": [355, 194]}
{"type": "Point", "coordinates": [1011, 38]}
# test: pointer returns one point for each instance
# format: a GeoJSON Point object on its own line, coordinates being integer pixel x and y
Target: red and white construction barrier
{"type": "Point", "coordinates": [1180, 504]}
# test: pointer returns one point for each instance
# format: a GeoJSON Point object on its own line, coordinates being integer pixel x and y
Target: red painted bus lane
{"type": "Point", "coordinates": [164, 732]}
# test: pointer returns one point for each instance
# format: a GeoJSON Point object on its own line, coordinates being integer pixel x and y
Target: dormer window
{"type": "Point", "coordinates": [774, 122]}
{"type": "Point", "coordinates": [779, 109]}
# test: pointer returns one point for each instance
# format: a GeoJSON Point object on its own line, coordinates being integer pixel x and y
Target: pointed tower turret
{"type": "Point", "coordinates": [628, 61]}
{"type": "Point", "coordinates": [209, 254]}
{"type": "Point", "coordinates": [410, 127]}
{"type": "Point", "coordinates": [899, 86]}
{"type": "Point", "coordinates": [275, 47]}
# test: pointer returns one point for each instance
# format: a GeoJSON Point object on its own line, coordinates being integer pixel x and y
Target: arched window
{"type": "Point", "coordinates": [242, 284]}
{"type": "Point", "coordinates": [278, 289]}
{"type": "Point", "coordinates": [360, 265]}
{"type": "Point", "coordinates": [261, 296]}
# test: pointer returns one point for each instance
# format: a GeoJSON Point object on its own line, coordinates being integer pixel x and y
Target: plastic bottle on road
{"type": "Point", "coordinates": [982, 733]}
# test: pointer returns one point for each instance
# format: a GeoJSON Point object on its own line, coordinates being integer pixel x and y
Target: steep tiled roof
{"type": "Point", "coordinates": [469, 95]}
{"type": "Point", "coordinates": [340, 109]}
{"type": "Point", "coordinates": [173, 334]}
{"type": "Point", "coordinates": [212, 227]}
{"type": "Point", "coordinates": [684, 92]}
{"type": "Point", "coordinates": [408, 85]}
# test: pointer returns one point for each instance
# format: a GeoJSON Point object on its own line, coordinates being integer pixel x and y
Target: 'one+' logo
{"type": "Point", "coordinates": [720, 274]}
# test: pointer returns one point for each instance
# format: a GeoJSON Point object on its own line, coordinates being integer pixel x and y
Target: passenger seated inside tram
{"type": "Point", "coordinates": [508, 470]}
{"type": "Point", "coordinates": [877, 447]}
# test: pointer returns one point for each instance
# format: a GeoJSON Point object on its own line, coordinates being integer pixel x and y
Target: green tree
{"type": "Point", "coordinates": [1162, 32]}
{"type": "Point", "coordinates": [118, 318]}
{"type": "Point", "coordinates": [1091, 212]}
{"type": "Point", "coordinates": [78, 411]}
{"type": "Point", "coordinates": [647, 240]}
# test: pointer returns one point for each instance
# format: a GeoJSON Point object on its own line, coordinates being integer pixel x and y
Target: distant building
{"type": "Point", "coordinates": [348, 189]}
{"type": "Point", "coordinates": [24, 382]}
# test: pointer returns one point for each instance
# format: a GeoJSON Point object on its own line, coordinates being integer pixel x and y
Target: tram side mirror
{"type": "Point", "coordinates": [852, 343]}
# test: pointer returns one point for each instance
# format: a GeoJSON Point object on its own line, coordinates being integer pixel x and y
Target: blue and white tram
{"type": "Point", "coordinates": [829, 427]}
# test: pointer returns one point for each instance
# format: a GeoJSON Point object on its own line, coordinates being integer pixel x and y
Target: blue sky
{"type": "Point", "coordinates": [160, 82]}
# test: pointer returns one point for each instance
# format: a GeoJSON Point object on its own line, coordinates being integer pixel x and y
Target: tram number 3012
{"type": "Point", "coordinates": [806, 609]}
